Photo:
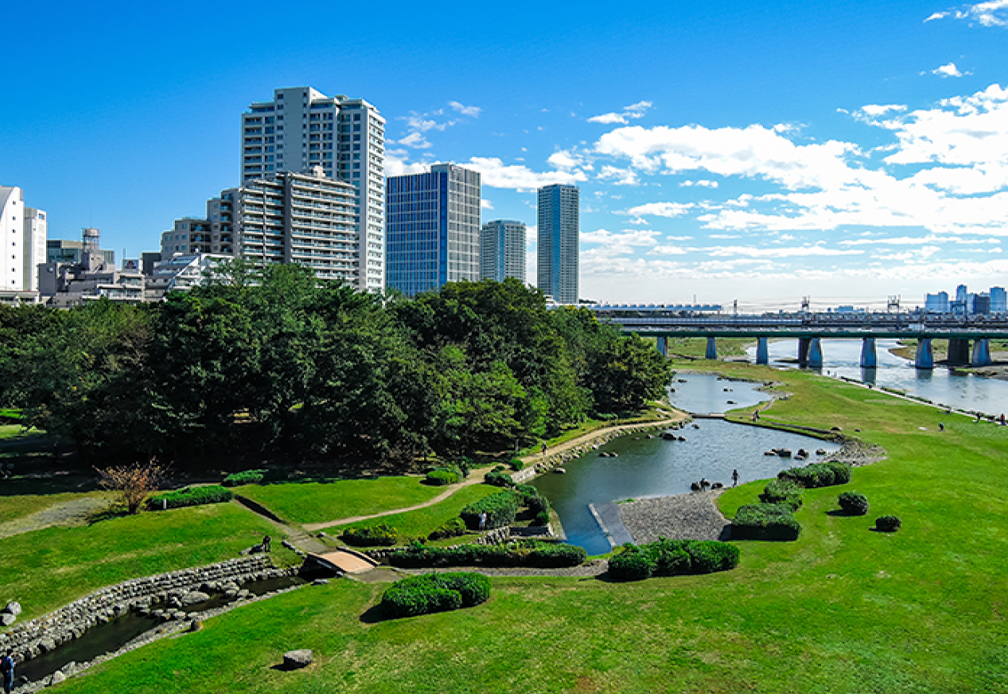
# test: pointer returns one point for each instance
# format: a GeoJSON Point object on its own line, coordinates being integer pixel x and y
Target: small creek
{"type": "Point", "coordinates": [654, 467]}
{"type": "Point", "coordinates": [116, 633]}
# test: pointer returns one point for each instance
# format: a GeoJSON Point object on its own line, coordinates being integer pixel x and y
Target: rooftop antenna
{"type": "Point", "coordinates": [805, 304]}
{"type": "Point", "coordinates": [893, 303]}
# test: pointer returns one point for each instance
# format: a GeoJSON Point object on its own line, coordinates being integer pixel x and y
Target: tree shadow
{"type": "Point", "coordinates": [374, 615]}
{"type": "Point", "coordinates": [105, 514]}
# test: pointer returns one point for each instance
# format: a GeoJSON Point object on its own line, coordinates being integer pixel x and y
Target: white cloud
{"type": "Point", "coordinates": [991, 13]}
{"type": "Point", "coordinates": [876, 110]}
{"type": "Point", "coordinates": [473, 111]}
{"type": "Point", "coordinates": [396, 164]}
{"type": "Point", "coordinates": [627, 237]}
{"type": "Point", "coordinates": [619, 177]}
{"type": "Point", "coordinates": [661, 209]}
{"type": "Point", "coordinates": [701, 183]}
{"type": "Point", "coordinates": [668, 250]}
{"type": "Point", "coordinates": [496, 174]}
{"type": "Point", "coordinates": [416, 140]}
{"type": "Point", "coordinates": [948, 70]}
{"type": "Point", "coordinates": [565, 159]}
{"type": "Point", "coordinates": [793, 252]}
{"type": "Point", "coordinates": [486, 204]}
{"type": "Point", "coordinates": [629, 112]}
{"type": "Point", "coordinates": [937, 15]}
{"type": "Point", "coordinates": [914, 241]}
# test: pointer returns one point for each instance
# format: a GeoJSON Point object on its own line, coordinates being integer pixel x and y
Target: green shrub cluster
{"type": "Point", "coordinates": [888, 524]}
{"type": "Point", "coordinates": [517, 464]}
{"type": "Point", "coordinates": [672, 558]}
{"type": "Point", "coordinates": [765, 522]}
{"type": "Point", "coordinates": [381, 535]}
{"type": "Point", "coordinates": [442, 476]}
{"type": "Point", "coordinates": [237, 479]}
{"type": "Point", "coordinates": [498, 479]}
{"type": "Point", "coordinates": [818, 474]}
{"type": "Point", "coordinates": [452, 528]}
{"type": "Point", "coordinates": [418, 595]}
{"type": "Point", "coordinates": [190, 496]}
{"type": "Point", "coordinates": [853, 503]}
{"type": "Point", "coordinates": [521, 553]}
{"type": "Point", "coordinates": [501, 509]}
{"type": "Point", "coordinates": [782, 491]}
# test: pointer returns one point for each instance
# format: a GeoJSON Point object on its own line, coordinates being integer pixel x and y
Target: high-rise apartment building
{"type": "Point", "coordinates": [559, 240]}
{"type": "Point", "coordinates": [289, 218]}
{"type": "Point", "coordinates": [35, 230]}
{"type": "Point", "coordinates": [998, 300]}
{"type": "Point", "coordinates": [433, 228]}
{"type": "Point", "coordinates": [301, 128]}
{"type": "Point", "coordinates": [11, 239]}
{"type": "Point", "coordinates": [502, 250]}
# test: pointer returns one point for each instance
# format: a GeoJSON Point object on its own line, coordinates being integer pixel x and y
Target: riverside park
{"type": "Point", "coordinates": [843, 608]}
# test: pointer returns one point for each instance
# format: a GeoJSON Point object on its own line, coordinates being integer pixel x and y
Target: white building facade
{"type": "Point", "coordinates": [302, 128]}
{"type": "Point", "coordinates": [35, 232]}
{"type": "Point", "coordinates": [11, 239]}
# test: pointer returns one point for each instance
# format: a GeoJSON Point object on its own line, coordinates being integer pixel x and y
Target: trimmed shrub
{"type": "Point", "coordinates": [521, 553]}
{"type": "Point", "coordinates": [418, 595]}
{"type": "Point", "coordinates": [541, 519]}
{"type": "Point", "coordinates": [500, 508]}
{"type": "Point", "coordinates": [498, 479]}
{"type": "Point", "coordinates": [765, 522]}
{"type": "Point", "coordinates": [497, 468]}
{"type": "Point", "coordinates": [853, 503]}
{"type": "Point", "coordinates": [237, 479]}
{"type": "Point", "coordinates": [672, 558]}
{"type": "Point", "coordinates": [816, 475]}
{"type": "Point", "coordinates": [517, 464]}
{"type": "Point", "coordinates": [440, 477]}
{"type": "Point", "coordinates": [381, 535]}
{"type": "Point", "coordinates": [842, 472]}
{"type": "Point", "coordinates": [782, 491]}
{"type": "Point", "coordinates": [453, 528]}
{"type": "Point", "coordinates": [191, 496]}
{"type": "Point", "coordinates": [888, 524]}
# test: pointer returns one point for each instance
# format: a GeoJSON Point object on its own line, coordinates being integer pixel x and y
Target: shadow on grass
{"type": "Point", "coordinates": [105, 514]}
{"type": "Point", "coordinates": [843, 514]}
{"type": "Point", "coordinates": [58, 482]}
{"type": "Point", "coordinates": [374, 615]}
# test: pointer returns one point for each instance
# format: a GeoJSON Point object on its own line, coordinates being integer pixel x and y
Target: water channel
{"type": "Point", "coordinates": [939, 385]}
{"type": "Point", "coordinates": [654, 467]}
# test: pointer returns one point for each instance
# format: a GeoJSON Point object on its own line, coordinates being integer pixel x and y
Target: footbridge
{"type": "Point", "coordinates": [968, 338]}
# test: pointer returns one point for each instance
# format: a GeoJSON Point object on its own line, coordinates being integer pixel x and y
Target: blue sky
{"type": "Point", "coordinates": [842, 151]}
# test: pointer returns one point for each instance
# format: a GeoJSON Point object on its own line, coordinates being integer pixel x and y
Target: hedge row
{"type": "Point", "coordinates": [500, 508]}
{"type": "Point", "coordinates": [818, 474]}
{"type": "Point", "coordinates": [782, 491]}
{"type": "Point", "coordinates": [765, 522]}
{"type": "Point", "coordinates": [190, 496]}
{"type": "Point", "coordinates": [453, 528]}
{"type": "Point", "coordinates": [520, 553]}
{"type": "Point", "coordinates": [237, 479]}
{"type": "Point", "coordinates": [672, 558]}
{"type": "Point", "coordinates": [434, 593]}
{"type": "Point", "coordinates": [380, 535]}
{"type": "Point", "coordinates": [498, 479]}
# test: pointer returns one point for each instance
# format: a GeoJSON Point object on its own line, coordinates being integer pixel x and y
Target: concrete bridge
{"type": "Point", "coordinates": [968, 338]}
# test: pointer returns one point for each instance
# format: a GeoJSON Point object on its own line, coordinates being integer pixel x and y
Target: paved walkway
{"type": "Point", "coordinates": [72, 512]}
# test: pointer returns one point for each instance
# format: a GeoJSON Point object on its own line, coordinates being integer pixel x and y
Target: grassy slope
{"type": "Point", "coordinates": [842, 609]}
{"type": "Point", "coordinates": [51, 567]}
{"type": "Point", "coordinates": [317, 502]}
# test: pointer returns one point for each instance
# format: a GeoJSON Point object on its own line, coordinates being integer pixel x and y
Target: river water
{"type": "Point", "coordinates": [654, 467]}
{"type": "Point", "coordinates": [939, 385]}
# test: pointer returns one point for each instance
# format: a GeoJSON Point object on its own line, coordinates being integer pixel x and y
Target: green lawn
{"type": "Point", "coordinates": [51, 567]}
{"type": "Point", "coordinates": [317, 502]}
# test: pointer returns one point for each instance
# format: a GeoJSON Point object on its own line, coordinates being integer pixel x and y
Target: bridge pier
{"type": "Point", "coordinates": [925, 357]}
{"type": "Point", "coordinates": [762, 350]}
{"type": "Point", "coordinates": [958, 351]}
{"type": "Point", "coordinates": [981, 353]}
{"type": "Point", "coordinates": [711, 349]}
{"type": "Point", "coordinates": [663, 345]}
{"type": "Point", "coordinates": [810, 352]}
{"type": "Point", "coordinates": [868, 357]}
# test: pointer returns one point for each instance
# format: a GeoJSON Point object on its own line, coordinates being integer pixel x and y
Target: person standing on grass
{"type": "Point", "coordinates": [482, 520]}
{"type": "Point", "coordinates": [7, 670]}
{"type": "Point", "coordinates": [734, 478]}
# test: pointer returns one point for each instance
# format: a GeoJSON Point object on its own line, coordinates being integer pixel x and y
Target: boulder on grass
{"type": "Point", "coordinates": [13, 608]}
{"type": "Point", "coordinates": [300, 658]}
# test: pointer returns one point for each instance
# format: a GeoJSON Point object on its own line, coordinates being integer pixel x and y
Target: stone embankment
{"type": "Point", "coordinates": [692, 516]}
{"type": "Point", "coordinates": [39, 636]}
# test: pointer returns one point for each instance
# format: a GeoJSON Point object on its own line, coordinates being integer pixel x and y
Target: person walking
{"type": "Point", "coordinates": [482, 520]}
{"type": "Point", "coordinates": [7, 670]}
{"type": "Point", "coordinates": [734, 478]}
{"type": "Point", "coordinates": [267, 543]}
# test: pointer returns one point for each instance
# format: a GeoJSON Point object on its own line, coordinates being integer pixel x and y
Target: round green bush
{"type": "Point", "coordinates": [380, 535]}
{"type": "Point", "coordinates": [782, 491]}
{"type": "Point", "coordinates": [541, 519]}
{"type": "Point", "coordinates": [498, 479]}
{"type": "Point", "coordinates": [453, 528]}
{"type": "Point", "coordinates": [632, 564]}
{"type": "Point", "coordinates": [888, 524]}
{"type": "Point", "coordinates": [765, 522]}
{"type": "Point", "coordinates": [428, 593]}
{"type": "Point", "coordinates": [841, 471]}
{"type": "Point", "coordinates": [517, 464]}
{"type": "Point", "coordinates": [237, 479]}
{"type": "Point", "coordinates": [853, 503]}
{"type": "Point", "coordinates": [500, 508]}
{"type": "Point", "coordinates": [441, 476]}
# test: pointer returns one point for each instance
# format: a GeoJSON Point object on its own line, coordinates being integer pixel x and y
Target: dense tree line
{"type": "Point", "coordinates": [275, 363]}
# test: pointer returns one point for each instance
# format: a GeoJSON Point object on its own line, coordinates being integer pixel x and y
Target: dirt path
{"type": "Point", "coordinates": [70, 512]}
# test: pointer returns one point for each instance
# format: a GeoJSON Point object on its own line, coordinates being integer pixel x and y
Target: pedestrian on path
{"type": "Point", "coordinates": [544, 448]}
{"type": "Point", "coordinates": [266, 543]}
{"type": "Point", "coordinates": [7, 670]}
{"type": "Point", "coordinates": [734, 478]}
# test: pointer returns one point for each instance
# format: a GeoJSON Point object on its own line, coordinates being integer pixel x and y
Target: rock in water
{"type": "Point", "coordinates": [297, 659]}
{"type": "Point", "coordinates": [194, 598]}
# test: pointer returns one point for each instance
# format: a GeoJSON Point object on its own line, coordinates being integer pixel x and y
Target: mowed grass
{"type": "Point", "coordinates": [842, 609]}
{"type": "Point", "coordinates": [421, 522]}
{"type": "Point", "coordinates": [48, 568]}
{"type": "Point", "coordinates": [317, 502]}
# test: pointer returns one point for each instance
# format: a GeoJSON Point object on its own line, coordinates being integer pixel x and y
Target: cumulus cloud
{"type": "Point", "coordinates": [777, 252]}
{"type": "Point", "coordinates": [565, 159]}
{"type": "Point", "coordinates": [486, 204]}
{"type": "Point", "coordinates": [415, 140]}
{"type": "Point", "coordinates": [948, 70]}
{"type": "Point", "coordinates": [703, 183]}
{"type": "Point", "coordinates": [629, 112]}
{"type": "Point", "coordinates": [473, 111]}
{"type": "Point", "coordinates": [396, 164]}
{"type": "Point", "coordinates": [496, 174]}
{"type": "Point", "coordinates": [418, 124]}
{"type": "Point", "coordinates": [990, 14]}
{"type": "Point", "coordinates": [661, 209]}
{"type": "Point", "coordinates": [618, 176]}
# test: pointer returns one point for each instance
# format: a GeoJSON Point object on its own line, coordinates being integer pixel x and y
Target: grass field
{"type": "Point", "coordinates": [842, 609]}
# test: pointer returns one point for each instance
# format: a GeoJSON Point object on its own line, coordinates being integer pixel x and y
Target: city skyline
{"type": "Point", "coordinates": [846, 153]}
